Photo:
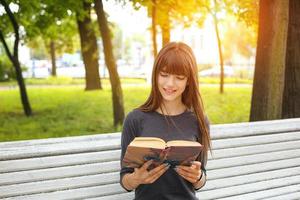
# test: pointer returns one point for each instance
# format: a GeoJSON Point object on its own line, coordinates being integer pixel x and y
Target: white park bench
{"type": "Point", "coordinates": [257, 160]}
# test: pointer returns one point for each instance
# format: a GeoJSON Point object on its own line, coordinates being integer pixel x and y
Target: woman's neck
{"type": "Point", "coordinates": [171, 108]}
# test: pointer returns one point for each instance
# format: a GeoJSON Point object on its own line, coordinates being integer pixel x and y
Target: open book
{"type": "Point", "coordinates": [175, 152]}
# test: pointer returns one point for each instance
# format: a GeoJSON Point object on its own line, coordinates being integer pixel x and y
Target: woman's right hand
{"type": "Point", "coordinates": [143, 176]}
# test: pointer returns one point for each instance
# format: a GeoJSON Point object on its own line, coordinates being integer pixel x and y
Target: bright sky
{"type": "Point", "coordinates": [129, 19]}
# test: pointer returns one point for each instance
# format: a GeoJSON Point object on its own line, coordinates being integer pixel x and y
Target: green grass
{"type": "Point", "coordinates": [80, 81]}
{"type": "Point", "coordinates": [69, 110]}
{"type": "Point", "coordinates": [61, 80]}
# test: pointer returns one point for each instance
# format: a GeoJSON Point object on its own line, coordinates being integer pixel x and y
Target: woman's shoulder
{"type": "Point", "coordinates": [135, 114]}
{"type": "Point", "coordinates": [193, 116]}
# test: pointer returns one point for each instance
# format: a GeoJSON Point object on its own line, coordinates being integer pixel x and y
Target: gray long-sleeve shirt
{"type": "Point", "coordinates": [170, 186]}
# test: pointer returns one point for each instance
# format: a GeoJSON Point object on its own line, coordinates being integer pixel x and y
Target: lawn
{"type": "Point", "coordinates": [61, 80]}
{"type": "Point", "coordinates": [69, 110]}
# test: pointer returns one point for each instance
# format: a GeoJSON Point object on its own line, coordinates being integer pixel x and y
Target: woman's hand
{"type": "Point", "coordinates": [143, 176]}
{"type": "Point", "coordinates": [190, 173]}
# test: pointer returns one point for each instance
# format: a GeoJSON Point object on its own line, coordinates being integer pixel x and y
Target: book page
{"type": "Point", "coordinates": [183, 143]}
{"type": "Point", "coordinates": [151, 142]}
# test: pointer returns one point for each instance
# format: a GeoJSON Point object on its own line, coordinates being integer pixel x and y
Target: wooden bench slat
{"type": "Point", "coordinates": [127, 196]}
{"type": "Point", "coordinates": [58, 161]}
{"type": "Point", "coordinates": [81, 158]}
{"type": "Point", "coordinates": [96, 168]}
{"type": "Point", "coordinates": [217, 131]}
{"type": "Point", "coordinates": [58, 184]}
{"type": "Point", "coordinates": [252, 168]}
{"type": "Point", "coordinates": [292, 195]}
{"type": "Point", "coordinates": [252, 159]}
{"type": "Point", "coordinates": [218, 153]}
{"type": "Point", "coordinates": [65, 140]}
{"type": "Point", "coordinates": [255, 140]}
{"type": "Point", "coordinates": [248, 188]}
{"type": "Point", "coordinates": [60, 172]}
{"type": "Point", "coordinates": [255, 149]}
{"type": "Point", "coordinates": [78, 193]}
{"type": "Point", "coordinates": [250, 178]}
{"type": "Point", "coordinates": [210, 194]}
{"type": "Point", "coordinates": [58, 149]}
{"type": "Point", "coordinates": [78, 182]}
{"type": "Point", "coordinates": [254, 128]}
{"type": "Point", "coordinates": [61, 148]}
{"type": "Point", "coordinates": [215, 173]}
{"type": "Point", "coordinates": [276, 193]}
{"type": "Point", "coordinates": [257, 160]}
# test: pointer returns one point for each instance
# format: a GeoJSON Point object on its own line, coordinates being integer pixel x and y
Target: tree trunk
{"type": "Point", "coordinates": [53, 58]}
{"type": "Point", "coordinates": [165, 29]}
{"type": "Point", "coordinates": [89, 49]}
{"type": "Point", "coordinates": [154, 28]}
{"type": "Point", "coordinates": [220, 53]}
{"type": "Point", "coordinates": [23, 92]}
{"type": "Point", "coordinates": [15, 59]}
{"type": "Point", "coordinates": [117, 94]}
{"type": "Point", "coordinates": [291, 95]}
{"type": "Point", "coordinates": [268, 81]}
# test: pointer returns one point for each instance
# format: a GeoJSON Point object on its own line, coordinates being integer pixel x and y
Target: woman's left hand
{"type": "Point", "coordinates": [190, 173]}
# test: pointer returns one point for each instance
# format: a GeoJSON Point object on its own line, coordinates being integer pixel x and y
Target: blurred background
{"type": "Point", "coordinates": [76, 68]}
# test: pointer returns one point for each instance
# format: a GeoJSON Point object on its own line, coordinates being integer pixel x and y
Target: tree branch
{"type": "Point", "coordinates": [5, 45]}
{"type": "Point", "coordinates": [15, 25]}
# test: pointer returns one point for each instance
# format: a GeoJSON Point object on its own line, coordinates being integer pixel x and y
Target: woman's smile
{"type": "Point", "coordinates": [169, 91]}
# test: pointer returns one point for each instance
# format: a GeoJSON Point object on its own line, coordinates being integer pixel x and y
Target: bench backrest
{"type": "Point", "coordinates": [257, 159]}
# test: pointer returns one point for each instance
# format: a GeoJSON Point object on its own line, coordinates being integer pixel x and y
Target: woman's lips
{"type": "Point", "coordinates": [169, 91]}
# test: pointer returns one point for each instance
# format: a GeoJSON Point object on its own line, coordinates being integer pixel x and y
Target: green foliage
{"type": "Point", "coordinates": [173, 12]}
{"type": "Point", "coordinates": [68, 111]}
{"type": "Point", "coordinates": [54, 23]}
{"type": "Point", "coordinates": [46, 20]}
{"type": "Point", "coordinates": [6, 69]}
{"type": "Point", "coordinates": [247, 11]}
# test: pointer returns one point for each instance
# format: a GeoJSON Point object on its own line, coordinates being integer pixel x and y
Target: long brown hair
{"type": "Point", "coordinates": [178, 58]}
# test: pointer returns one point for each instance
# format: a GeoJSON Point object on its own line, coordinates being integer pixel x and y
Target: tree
{"type": "Point", "coordinates": [291, 94]}
{"type": "Point", "coordinates": [216, 24]}
{"type": "Point", "coordinates": [14, 57]}
{"type": "Point", "coordinates": [89, 47]}
{"type": "Point", "coordinates": [117, 94]}
{"type": "Point", "coordinates": [213, 8]}
{"type": "Point", "coordinates": [60, 36]}
{"type": "Point", "coordinates": [56, 23]}
{"type": "Point", "coordinates": [164, 14]}
{"type": "Point", "coordinates": [153, 27]}
{"type": "Point", "coordinates": [163, 11]}
{"type": "Point", "coordinates": [268, 82]}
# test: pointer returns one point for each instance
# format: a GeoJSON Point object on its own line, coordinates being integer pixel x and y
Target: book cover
{"type": "Point", "coordinates": [177, 152]}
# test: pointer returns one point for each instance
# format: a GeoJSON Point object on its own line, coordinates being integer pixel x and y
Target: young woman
{"type": "Point", "coordinates": [173, 111]}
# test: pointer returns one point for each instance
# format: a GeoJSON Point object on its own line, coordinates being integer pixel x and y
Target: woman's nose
{"type": "Point", "coordinates": [171, 81]}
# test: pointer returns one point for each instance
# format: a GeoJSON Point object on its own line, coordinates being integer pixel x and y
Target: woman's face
{"type": "Point", "coordinates": [171, 86]}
